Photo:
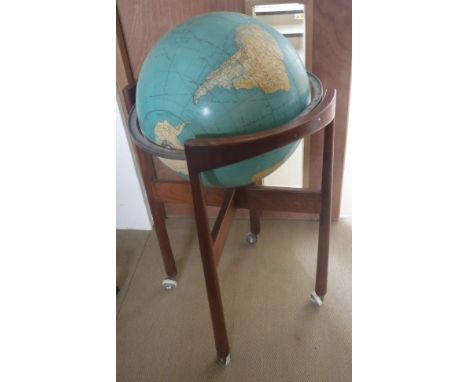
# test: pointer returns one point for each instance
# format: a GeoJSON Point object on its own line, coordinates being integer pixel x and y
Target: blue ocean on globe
{"type": "Point", "coordinates": [216, 75]}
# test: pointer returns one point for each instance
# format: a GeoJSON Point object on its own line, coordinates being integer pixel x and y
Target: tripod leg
{"type": "Point", "coordinates": [165, 245]}
{"type": "Point", "coordinates": [159, 218]}
{"type": "Point", "coordinates": [157, 208]}
{"type": "Point", "coordinates": [254, 227]}
{"type": "Point", "coordinates": [209, 269]}
{"type": "Point", "coordinates": [318, 295]}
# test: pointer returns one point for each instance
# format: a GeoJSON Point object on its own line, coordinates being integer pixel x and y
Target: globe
{"type": "Point", "coordinates": [217, 75]}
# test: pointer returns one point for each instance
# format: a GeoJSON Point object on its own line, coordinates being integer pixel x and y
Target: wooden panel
{"type": "Point", "coordinates": [268, 198]}
{"type": "Point", "coordinates": [332, 63]}
{"type": "Point", "coordinates": [123, 70]}
{"type": "Point", "coordinates": [287, 199]}
{"type": "Point", "coordinates": [178, 191]}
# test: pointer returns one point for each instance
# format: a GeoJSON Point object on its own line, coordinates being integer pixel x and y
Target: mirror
{"type": "Point", "coordinates": [289, 20]}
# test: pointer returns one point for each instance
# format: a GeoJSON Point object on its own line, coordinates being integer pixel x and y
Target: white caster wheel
{"type": "Point", "coordinates": [251, 238]}
{"type": "Point", "coordinates": [224, 361]}
{"type": "Point", "coordinates": [316, 299]}
{"type": "Point", "coordinates": [169, 284]}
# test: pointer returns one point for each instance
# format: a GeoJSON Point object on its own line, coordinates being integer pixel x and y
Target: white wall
{"type": "Point", "coordinates": [290, 172]}
{"type": "Point", "coordinates": [346, 195]}
{"type": "Point", "coordinates": [131, 208]}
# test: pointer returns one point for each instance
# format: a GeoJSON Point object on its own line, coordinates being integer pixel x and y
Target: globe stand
{"type": "Point", "coordinates": [207, 154]}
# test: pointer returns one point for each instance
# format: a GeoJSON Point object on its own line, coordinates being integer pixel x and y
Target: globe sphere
{"type": "Point", "coordinates": [217, 75]}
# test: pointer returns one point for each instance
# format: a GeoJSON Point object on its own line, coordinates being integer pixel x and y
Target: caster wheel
{"type": "Point", "coordinates": [316, 299]}
{"type": "Point", "coordinates": [224, 361]}
{"type": "Point", "coordinates": [169, 284]}
{"type": "Point", "coordinates": [251, 238]}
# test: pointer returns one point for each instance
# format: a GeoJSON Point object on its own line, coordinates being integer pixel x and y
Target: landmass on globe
{"type": "Point", "coordinates": [166, 135]}
{"type": "Point", "coordinates": [257, 63]}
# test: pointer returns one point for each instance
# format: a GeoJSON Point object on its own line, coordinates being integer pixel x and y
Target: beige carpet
{"type": "Point", "coordinates": [275, 333]}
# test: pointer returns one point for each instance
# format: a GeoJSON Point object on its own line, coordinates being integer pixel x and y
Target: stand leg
{"type": "Point", "coordinates": [325, 217]}
{"type": "Point", "coordinates": [255, 221]}
{"type": "Point", "coordinates": [251, 237]}
{"type": "Point", "coordinates": [159, 217]}
{"type": "Point", "coordinates": [158, 211]}
{"type": "Point", "coordinates": [157, 208]}
{"type": "Point", "coordinates": [209, 269]}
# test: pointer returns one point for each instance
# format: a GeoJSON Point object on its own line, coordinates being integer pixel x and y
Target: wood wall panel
{"type": "Point", "coordinates": [331, 54]}
{"type": "Point", "coordinates": [124, 76]}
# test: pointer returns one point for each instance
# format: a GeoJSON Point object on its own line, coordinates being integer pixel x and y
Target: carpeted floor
{"type": "Point", "coordinates": [275, 333]}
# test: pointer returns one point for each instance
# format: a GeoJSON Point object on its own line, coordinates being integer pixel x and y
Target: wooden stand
{"type": "Point", "coordinates": [207, 154]}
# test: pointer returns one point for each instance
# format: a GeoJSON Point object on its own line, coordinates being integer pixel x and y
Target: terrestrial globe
{"type": "Point", "coordinates": [217, 75]}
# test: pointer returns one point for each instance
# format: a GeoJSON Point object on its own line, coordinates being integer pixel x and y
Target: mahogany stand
{"type": "Point", "coordinates": [207, 154]}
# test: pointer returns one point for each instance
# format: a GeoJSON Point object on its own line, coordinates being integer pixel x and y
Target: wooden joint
{"type": "Point", "coordinates": [223, 223]}
{"type": "Point", "coordinates": [262, 198]}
